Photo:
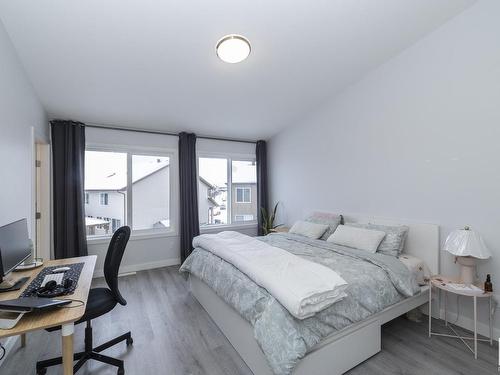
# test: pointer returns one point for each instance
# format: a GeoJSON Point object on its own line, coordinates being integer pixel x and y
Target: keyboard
{"type": "Point", "coordinates": [57, 277]}
{"type": "Point", "coordinates": [46, 275]}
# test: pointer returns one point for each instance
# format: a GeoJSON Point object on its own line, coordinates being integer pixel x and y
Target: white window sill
{"type": "Point", "coordinates": [137, 236]}
{"type": "Point", "coordinates": [221, 227]}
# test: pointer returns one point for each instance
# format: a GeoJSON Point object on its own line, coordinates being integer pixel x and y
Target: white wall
{"type": "Point", "coordinates": [144, 253]}
{"type": "Point", "coordinates": [22, 120]}
{"type": "Point", "coordinates": [418, 138]}
{"type": "Point", "coordinates": [20, 110]}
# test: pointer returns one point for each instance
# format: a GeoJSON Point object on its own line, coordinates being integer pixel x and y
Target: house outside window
{"type": "Point", "coordinates": [225, 190]}
{"type": "Point", "coordinates": [127, 187]}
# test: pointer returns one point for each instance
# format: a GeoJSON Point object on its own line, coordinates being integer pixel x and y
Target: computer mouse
{"type": "Point", "coordinates": [60, 269]}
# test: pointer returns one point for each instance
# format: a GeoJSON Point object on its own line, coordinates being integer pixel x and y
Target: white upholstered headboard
{"type": "Point", "coordinates": [422, 240]}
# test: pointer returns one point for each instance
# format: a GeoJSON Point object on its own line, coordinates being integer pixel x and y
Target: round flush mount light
{"type": "Point", "coordinates": [233, 48]}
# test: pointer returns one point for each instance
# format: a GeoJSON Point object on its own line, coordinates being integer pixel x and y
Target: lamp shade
{"type": "Point", "coordinates": [466, 242]}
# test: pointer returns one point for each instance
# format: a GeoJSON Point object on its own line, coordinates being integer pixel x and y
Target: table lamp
{"type": "Point", "coordinates": [467, 246]}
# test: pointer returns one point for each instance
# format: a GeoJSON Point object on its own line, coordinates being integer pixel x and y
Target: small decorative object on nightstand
{"type": "Point", "coordinates": [467, 246]}
{"type": "Point", "coordinates": [451, 285]}
{"type": "Point", "coordinates": [488, 285]}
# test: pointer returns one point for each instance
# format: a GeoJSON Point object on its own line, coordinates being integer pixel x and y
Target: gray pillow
{"type": "Point", "coordinates": [394, 240]}
{"type": "Point", "coordinates": [332, 220]}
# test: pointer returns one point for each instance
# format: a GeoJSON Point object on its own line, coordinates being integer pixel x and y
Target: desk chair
{"type": "Point", "coordinates": [100, 302]}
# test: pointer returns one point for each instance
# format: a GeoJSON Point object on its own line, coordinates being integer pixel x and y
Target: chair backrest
{"type": "Point", "coordinates": [114, 258]}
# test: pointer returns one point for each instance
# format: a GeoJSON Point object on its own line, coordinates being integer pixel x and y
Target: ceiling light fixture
{"type": "Point", "coordinates": [233, 48]}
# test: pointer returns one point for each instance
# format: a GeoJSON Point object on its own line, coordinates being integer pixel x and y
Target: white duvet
{"type": "Point", "coordinates": [302, 287]}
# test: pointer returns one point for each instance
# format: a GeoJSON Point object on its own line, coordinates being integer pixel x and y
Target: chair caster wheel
{"type": "Point", "coordinates": [130, 341]}
{"type": "Point", "coordinates": [120, 371]}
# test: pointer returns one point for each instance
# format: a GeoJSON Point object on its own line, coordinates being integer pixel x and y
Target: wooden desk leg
{"type": "Point", "coordinates": [23, 340]}
{"type": "Point", "coordinates": [67, 348]}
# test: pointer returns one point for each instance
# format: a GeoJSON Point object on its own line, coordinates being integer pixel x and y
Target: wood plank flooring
{"type": "Point", "coordinates": [173, 335]}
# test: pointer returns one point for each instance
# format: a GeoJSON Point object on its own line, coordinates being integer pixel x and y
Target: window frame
{"type": "Point", "coordinates": [173, 182]}
{"type": "Point", "coordinates": [230, 157]}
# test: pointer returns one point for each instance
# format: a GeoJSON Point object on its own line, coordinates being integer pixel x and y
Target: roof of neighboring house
{"type": "Point", "coordinates": [90, 222]}
{"type": "Point", "coordinates": [165, 223]}
{"type": "Point", "coordinates": [213, 201]}
{"type": "Point", "coordinates": [114, 182]}
{"type": "Point", "coordinates": [210, 185]}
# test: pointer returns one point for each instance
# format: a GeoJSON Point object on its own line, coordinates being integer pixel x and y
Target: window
{"type": "Point", "coordinates": [212, 191]}
{"type": "Point", "coordinates": [131, 188]}
{"type": "Point", "coordinates": [104, 199]}
{"type": "Point", "coordinates": [243, 195]}
{"type": "Point", "coordinates": [225, 190]}
{"type": "Point", "coordinates": [115, 224]}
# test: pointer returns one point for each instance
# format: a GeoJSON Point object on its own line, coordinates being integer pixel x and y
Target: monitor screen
{"type": "Point", "coordinates": [15, 245]}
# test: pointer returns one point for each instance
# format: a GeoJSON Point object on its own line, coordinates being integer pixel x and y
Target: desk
{"type": "Point", "coordinates": [60, 317]}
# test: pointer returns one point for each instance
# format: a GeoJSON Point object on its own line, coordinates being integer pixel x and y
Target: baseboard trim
{"type": "Point", "coordinates": [8, 344]}
{"type": "Point", "coordinates": [142, 266]}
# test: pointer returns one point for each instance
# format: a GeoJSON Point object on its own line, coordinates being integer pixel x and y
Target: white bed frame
{"type": "Point", "coordinates": [344, 349]}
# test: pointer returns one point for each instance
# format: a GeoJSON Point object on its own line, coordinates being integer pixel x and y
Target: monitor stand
{"type": "Point", "coordinates": [8, 285]}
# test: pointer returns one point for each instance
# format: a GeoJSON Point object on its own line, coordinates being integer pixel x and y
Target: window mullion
{"type": "Point", "coordinates": [129, 190]}
{"type": "Point", "coordinates": [229, 191]}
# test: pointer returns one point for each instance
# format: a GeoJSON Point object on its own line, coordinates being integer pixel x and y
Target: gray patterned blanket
{"type": "Point", "coordinates": [376, 281]}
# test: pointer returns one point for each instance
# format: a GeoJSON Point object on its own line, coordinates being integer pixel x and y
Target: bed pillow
{"type": "Point", "coordinates": [308, 229]}
{"type": "Point", "coordinates": [416, 266]}
{"type": "Point", "coordinates": [359, 238]}
{"type": "Point", "coordinates": [332, 220]}
{"type": "Point", "coordinates": [394, 241]}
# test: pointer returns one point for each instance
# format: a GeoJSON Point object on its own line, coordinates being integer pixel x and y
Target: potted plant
{"type": "Point", "coordinates": [268, 225]}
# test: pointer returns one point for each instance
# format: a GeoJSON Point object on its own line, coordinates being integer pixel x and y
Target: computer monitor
{"type": "Point", "coordinates": [15, 246]}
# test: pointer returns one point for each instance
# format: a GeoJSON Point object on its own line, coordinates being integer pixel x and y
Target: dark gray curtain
{"type": "Point", "coordinates": [68, 157]}
{"type": "Point", "coordinates": [188, 183]}
{"type": "Point", "coordinates": [262, 195]}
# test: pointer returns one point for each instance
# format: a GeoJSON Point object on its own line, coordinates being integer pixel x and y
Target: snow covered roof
{"type": "Point", "coordinates": [90, 221]}
{"type": "Point", "coordinates": [112, 175]}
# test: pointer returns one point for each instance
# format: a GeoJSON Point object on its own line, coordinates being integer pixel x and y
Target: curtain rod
{"type": "Point", "coordinates": [148, 131]}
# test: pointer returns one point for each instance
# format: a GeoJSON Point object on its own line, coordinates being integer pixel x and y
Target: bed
{"type": "Point", "coordinates": [345, 346]}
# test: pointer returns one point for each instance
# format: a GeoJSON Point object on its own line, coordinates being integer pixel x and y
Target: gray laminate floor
{"type": "Point", "coordinates": [174, 335]}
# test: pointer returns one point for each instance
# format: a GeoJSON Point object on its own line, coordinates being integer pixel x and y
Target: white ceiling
{"type": "Point", "coordinates": [152, 64]}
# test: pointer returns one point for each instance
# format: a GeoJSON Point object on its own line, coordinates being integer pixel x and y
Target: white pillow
{"type": "Point", "coordinates": [308, 229]}
{"type": "Point", "coordinates": [359, 238]}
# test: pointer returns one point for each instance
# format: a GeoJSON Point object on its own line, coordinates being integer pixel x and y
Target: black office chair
{"type": "Point", "coordinates": [100, 302]}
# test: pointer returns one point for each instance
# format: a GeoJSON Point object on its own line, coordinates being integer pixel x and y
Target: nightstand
{"type": "Point", "coordinates": [443, 283]}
